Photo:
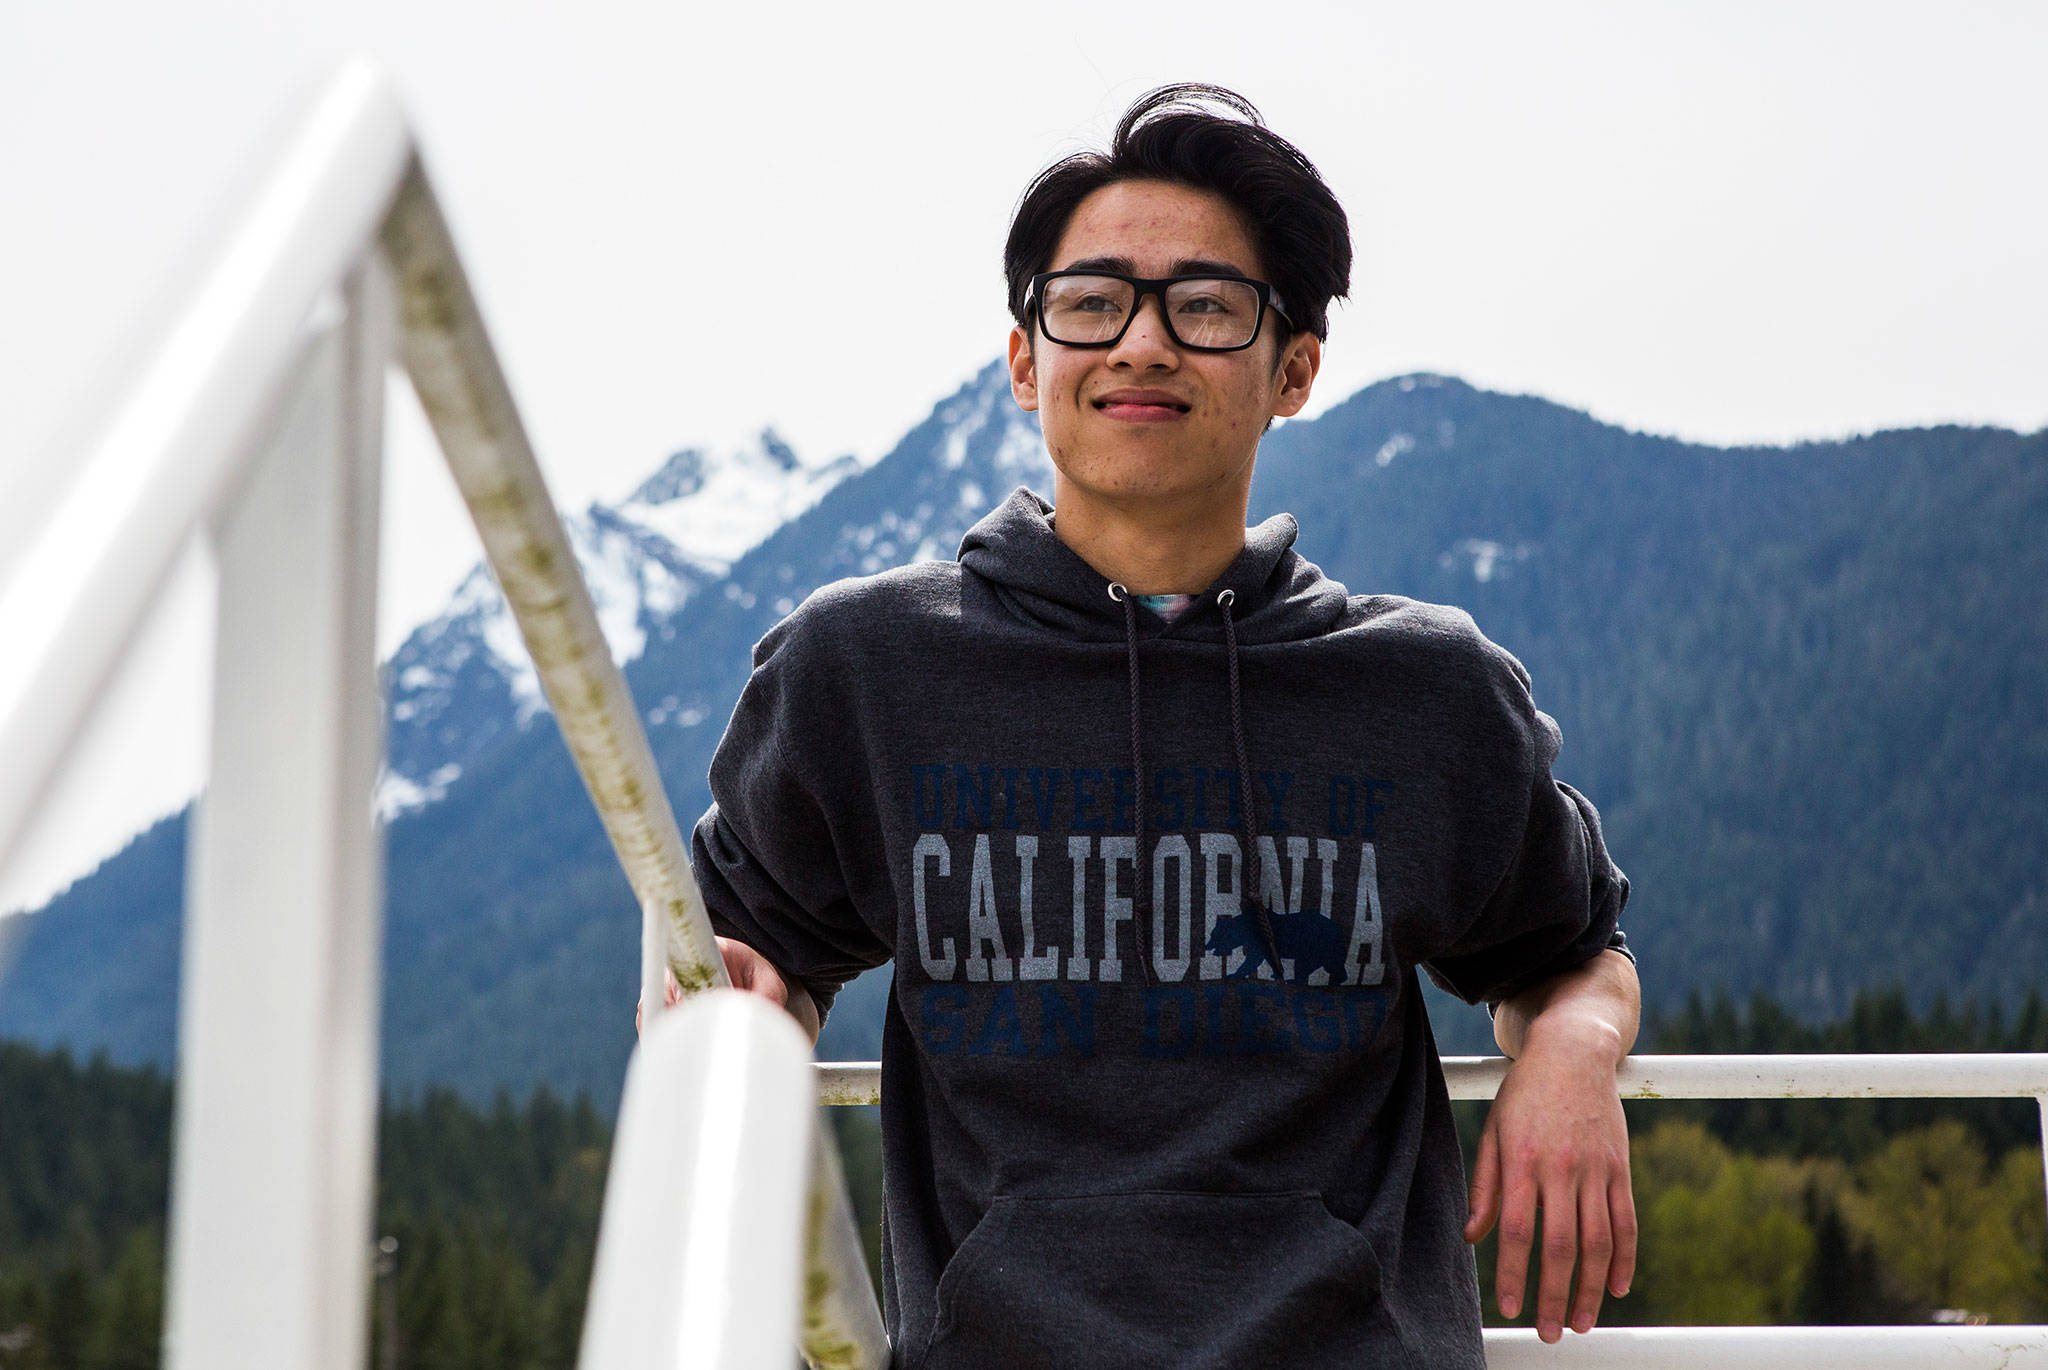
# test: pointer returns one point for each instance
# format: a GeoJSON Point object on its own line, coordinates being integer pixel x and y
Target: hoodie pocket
{"type": "Point", "coordinates": [1196, 1281]}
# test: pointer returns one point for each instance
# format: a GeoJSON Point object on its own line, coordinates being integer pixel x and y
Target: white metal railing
{"type": "Point", "coordinates": [258, 428]}
{"type": "Point", "coordinates": [1952, 1075]}
{"type": "Point", "coordinates": [717, 1122]}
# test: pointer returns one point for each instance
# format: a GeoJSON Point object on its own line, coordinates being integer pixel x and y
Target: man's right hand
{"type": "Point", "coordinates": [749, 970]}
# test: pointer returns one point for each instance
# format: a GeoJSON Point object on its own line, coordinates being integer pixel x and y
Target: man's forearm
{"type": "Point", "coordinates": [1600, 1001]}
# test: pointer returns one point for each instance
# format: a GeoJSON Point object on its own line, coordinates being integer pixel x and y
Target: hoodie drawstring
{"type": "Point", "coordinates": [1251, 873]}
{"type": "Point", "coordinates": [1147, 932]}
{"type": "Point", "coordinates": [1253, 892]}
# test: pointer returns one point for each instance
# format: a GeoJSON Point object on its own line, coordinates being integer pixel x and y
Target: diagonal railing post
{"type": "Point", "coordinates": [455, 371]}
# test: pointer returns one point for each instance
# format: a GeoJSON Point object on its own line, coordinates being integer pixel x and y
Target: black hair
{"type": "Point", "coordinates": [1303, 238]}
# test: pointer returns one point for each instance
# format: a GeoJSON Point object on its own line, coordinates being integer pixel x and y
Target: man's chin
{"type": "Point", "coordinates": [1131, 483]}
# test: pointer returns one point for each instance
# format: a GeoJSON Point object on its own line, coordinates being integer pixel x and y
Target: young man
{"type": "Point", "coordinates": [1158, 1084]}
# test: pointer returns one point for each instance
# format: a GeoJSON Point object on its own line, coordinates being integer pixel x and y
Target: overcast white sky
{"type": "Point", "coordinates": [1727, 221]}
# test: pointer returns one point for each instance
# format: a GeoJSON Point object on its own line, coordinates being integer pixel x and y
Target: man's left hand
{"type": "Point", "coordinates": [1556, 1139]}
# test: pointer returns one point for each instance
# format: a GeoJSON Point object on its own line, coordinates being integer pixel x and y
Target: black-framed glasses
{"type": "Point", "coordinates": [1090, 308]}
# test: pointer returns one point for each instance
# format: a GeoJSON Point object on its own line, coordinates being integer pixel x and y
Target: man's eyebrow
{"type": "Point", "coordinates": [1186, 266]}
{"type": "Point", "coordinates": [1123, 264]}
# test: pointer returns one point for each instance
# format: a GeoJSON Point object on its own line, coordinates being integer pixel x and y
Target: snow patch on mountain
{"type": "Point", "coordinates": [963, 418]}
{"type": "Point", "coordinates": [397, 793]}
{"type": "Point", "coordinates": [716, 509]}
{"type": "Point", "coordinates": [463, 681]}
{"type": "Point", "coordinates": [1486, 557]}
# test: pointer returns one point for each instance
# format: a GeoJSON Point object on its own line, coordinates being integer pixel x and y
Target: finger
{"type": "Point", "coordinates": [768, 982]}
{"type": "Point", "coordinates": [1596, 1250]}
{"type": "Point", "coordinates": [636, 1016]}
{"type": "Point", "coordinates": [1517, 1230]}
{"type": "Point", "coordinates": [673, 991]}
{"type": "Point", "coordinates": [1621, 1207]}
{"type": "Point", "coordinates": [1560, 1245]}
{"type": "Point", "coordinates": [751, 971]}
{"type": "Point", "coordinates": [804, 1009]}
{"type": "Point", "coordinates": [1485, 1202]}
{"type": "Point", "coordinates": [739, 961]}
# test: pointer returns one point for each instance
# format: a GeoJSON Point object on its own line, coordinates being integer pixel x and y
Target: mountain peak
{"type": "Point", "coordinates": [679, 476]}
{"type": "Point", "coordinates": [716, 505]}
{"type": "Point", "coordinates": [767, 455]}
{"type": "Point", "coordinates": [778, 453]}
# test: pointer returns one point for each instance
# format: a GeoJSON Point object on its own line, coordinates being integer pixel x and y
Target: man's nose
{"type": "Point", "coordinates": [1148, 339]}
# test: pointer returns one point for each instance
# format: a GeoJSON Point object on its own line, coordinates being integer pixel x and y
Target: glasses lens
{"type": "Point", "coordinates": [1213, 313]}
{"type": "Point", "coordinates": [1085, 309]}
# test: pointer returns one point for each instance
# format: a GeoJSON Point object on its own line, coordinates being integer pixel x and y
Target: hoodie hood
{"type": "Point", "coordinates": [1280, 596]}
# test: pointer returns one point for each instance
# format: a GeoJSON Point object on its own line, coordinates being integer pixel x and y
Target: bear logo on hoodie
{"type": "Point", "coordinates": [1308, 939]}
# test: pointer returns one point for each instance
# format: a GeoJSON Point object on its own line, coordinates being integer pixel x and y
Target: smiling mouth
{"type": "Point", "coordinates": [1141, 406]}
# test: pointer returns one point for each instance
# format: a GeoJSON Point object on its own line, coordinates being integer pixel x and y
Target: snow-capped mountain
{"type": "Point", "coordinates": [463, 681]}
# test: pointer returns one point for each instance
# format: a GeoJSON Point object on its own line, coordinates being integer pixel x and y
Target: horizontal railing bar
{"type": "Point", "coordinates": [1908, 1347]}
{"type": "Point", "coordinates": [1934, 1075]}
{"type": "Point", "coordinates": [843, 1084]}
{"type": "Point", "coordinates": [1849, 1075]}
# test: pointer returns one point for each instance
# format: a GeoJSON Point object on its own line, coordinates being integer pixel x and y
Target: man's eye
{"type": "Point", "coordinates": [1094, 303]}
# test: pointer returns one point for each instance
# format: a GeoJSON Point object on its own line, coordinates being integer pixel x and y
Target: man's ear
{"type": "Point", "coordinates": [1023, 373]}
{"type": "Point", "coordinates": [1299, 362]}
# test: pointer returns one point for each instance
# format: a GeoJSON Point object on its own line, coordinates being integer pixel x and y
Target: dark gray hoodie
{"type": "Point", "coordinates": [1113, 1134]}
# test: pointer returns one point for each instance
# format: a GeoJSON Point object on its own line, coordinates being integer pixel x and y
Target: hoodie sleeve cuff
{"type": "Point", "coordinates": [1617, 942]}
